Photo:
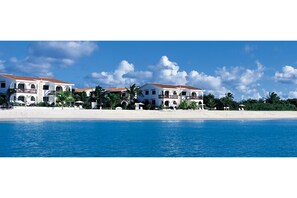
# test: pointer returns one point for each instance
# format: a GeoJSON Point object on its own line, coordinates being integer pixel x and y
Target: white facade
{"type": "Point", "coordinates": [28, 90]}
{"type": "Point", "coordinates": [170, 95]}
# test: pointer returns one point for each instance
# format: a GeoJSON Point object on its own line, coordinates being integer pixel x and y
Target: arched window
{"type": "Point", "coordinates": [59, 89]}
{"type": "Point", "coordinates": [194, 94]}
{"type": "Point", "coordinates": [21, 98]}
{"type": "Point", "coordinates": [174, 93]}
{"type": "Point", "coordinates": [174, 102]}
{"type": "Point", "coordinates": [32, 86]}
{"type": "Point", "coordinates": [32, 98]}
{"type": "Point", "coordinates": [21, 86]}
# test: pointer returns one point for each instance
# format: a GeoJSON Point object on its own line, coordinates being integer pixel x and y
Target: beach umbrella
{"type": "Point", "coordinates": [79, 102]}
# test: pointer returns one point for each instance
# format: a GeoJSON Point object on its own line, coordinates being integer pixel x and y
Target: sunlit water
{"type": "Point", "coordinates": [266, 138]}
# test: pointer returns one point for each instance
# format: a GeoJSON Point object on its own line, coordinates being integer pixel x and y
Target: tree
{"type": "Point", "coordinates": [209, 100]}
{"type": "Point", "coordinates": [227, 101]}
{"type": "Point", "coordinates": [99, 96]}
{"type": "Point", "coordinates": [272, 98]}
{"type": "Point", "coordinates": [133, 91]}
{"type": "Point", "coordinates": [193, 105]}
{"type": "Point", "coordinates": [65, 98]}
{"type": "Point", "coordinates": [184, 104]}
{"type": "Point", "coordinates": [113, 100]}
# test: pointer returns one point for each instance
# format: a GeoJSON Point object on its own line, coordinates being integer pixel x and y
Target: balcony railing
{"type": "Point", "coordinates": [169, 96]}
{"type": "Point", "coordinates": [32, 91]}
{"type": "Point", "coordinates": [194, 98]}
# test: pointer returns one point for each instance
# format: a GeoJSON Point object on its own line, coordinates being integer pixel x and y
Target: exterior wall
{"type": "Point", "coordinates": [170, 97]}
{"type": "Point", "coordinates": [32, 91]}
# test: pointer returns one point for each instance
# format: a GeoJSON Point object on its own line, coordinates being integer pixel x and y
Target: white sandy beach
{"type": "Point", "coordinates": [83, 114]}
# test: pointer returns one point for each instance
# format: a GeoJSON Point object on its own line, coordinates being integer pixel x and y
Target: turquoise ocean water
{"type": "Point", "coordinates": [209, 138]}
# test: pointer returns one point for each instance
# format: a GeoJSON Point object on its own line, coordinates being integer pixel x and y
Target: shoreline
{"type": "Point", "coordinates": [41, 113]}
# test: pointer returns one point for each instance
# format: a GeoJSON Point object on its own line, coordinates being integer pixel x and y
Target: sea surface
{"type": "Point", "coordinates": [209, 138]}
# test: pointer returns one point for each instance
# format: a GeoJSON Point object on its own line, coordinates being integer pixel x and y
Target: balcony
{"type": "Point", "coordinates": [194, 97]}
{"type": "Point", "coordinates": [31, 91]}
{"type": "Point", "coordinates": [169, 96]}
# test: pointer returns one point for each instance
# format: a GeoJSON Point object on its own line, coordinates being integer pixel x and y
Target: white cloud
{"type": "Point", "coordinates": [240, 78]}
{"type": "Point", "coordinates": [42, 56]}
{"type": "Point", "coordinates": [168, 72]}
{"type": "Point", "coordinates": [210, 83]}
{"type": "Point", "coordinates": [123, 76]}
{"type": "Point", "coordinates": [288, 75]}
{"type": "Point", "coordinates": [2, 67]}
{"type": "Point", "coordinates": [62, 49]}
{"type": "Point", "coordinates": [292, 94]}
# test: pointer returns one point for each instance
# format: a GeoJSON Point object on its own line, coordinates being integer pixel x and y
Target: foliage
{"type": "Point", "coordinates": [209, 100]}
{"type": "Point", "coordinates": [273, 98]}
{"type": "Point", "coordinates": [132, 92]}
{"type": "Point", "coordinates": [184, 104]}
{"type": "Point", "coordinates": [193, 105]}
{"type": "Point", "coordinates": [99, 96]}
{"type": "Point", "coordinates": [65, 98]}
{"type": "Point", "coordinates": [113, 100]}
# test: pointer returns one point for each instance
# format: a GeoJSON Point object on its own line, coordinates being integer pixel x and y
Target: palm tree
{"type": "Point", "coordinates": [99, 95]}
{"type": "Point", "coordinates": [113, 99]}
{"type": "Point", "coordinates": [133, 91]}
{"type": "Point", "coordinates": [272, 98]}
{"type": "Point", "coordinates": [64, 97]}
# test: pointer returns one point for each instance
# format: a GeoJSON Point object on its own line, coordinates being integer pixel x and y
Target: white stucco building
{"type": "Point", "coordinates": [30, 90]}
{"type": "Point", "coordinates": [170, 95]}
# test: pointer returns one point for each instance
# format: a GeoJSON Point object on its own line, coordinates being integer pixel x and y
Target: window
{"type": "Point", "coordinates": [32, 98]}
{"type": "Point", "coordinates": [153, 92]}
{"type": "Point", "coordinates": [45, 87]}
{"type": "Point", "coordinates": [45, 99]}
{"type": "Point", "coordinates": [3, 85]}
{"type": "Point", "coordinates": [32, 86]}
{"type": "Point", "coordinates": [184, 93]}
{"type": "Point", "coordinates": [146, 92]}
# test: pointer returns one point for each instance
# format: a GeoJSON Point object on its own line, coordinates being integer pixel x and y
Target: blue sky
{"type": "Point", "coordinates": [247, 69]}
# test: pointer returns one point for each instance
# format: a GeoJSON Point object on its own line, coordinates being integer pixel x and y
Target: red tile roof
{"type": "Point", "coordinates": [115, 89]}
{"type": "Point", "coordinates": [175, 86]}
{"type": "Point", "coordinates": [33, 78]}
{"type": "Point", "coordinates": [84, 89]}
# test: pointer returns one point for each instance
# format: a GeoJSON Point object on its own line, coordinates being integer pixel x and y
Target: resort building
{"type": "Point", "coordinates": [31, 90]}
{"type": "Point", "coordinates": [170, 95]}
{"type": "Point", "coordinates": [86, 90]}
{"type": "Point", "coordinates": [121, 91]}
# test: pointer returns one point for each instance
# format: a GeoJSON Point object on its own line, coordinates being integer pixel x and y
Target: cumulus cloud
{"type": "Point", "coordinates": [167, 71]}
{"type": "Point", "coordinates": [42, 56]}
{"type": "Point", "coordinates": [212, 84]}
{"type": "Point", "coordinates": [292, 94]}
{"type": "Point", "coordinates": [240, 78]}
{"type": "Point", "coordinates": [62, 50]}
{"type": "Point", "coordinates": [288, 75]}
{"type": "Point", "coordinates": [123, 76]}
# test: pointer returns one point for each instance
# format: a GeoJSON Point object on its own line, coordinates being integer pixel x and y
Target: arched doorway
{"type": "Point", "coordinates": [166, 103]}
